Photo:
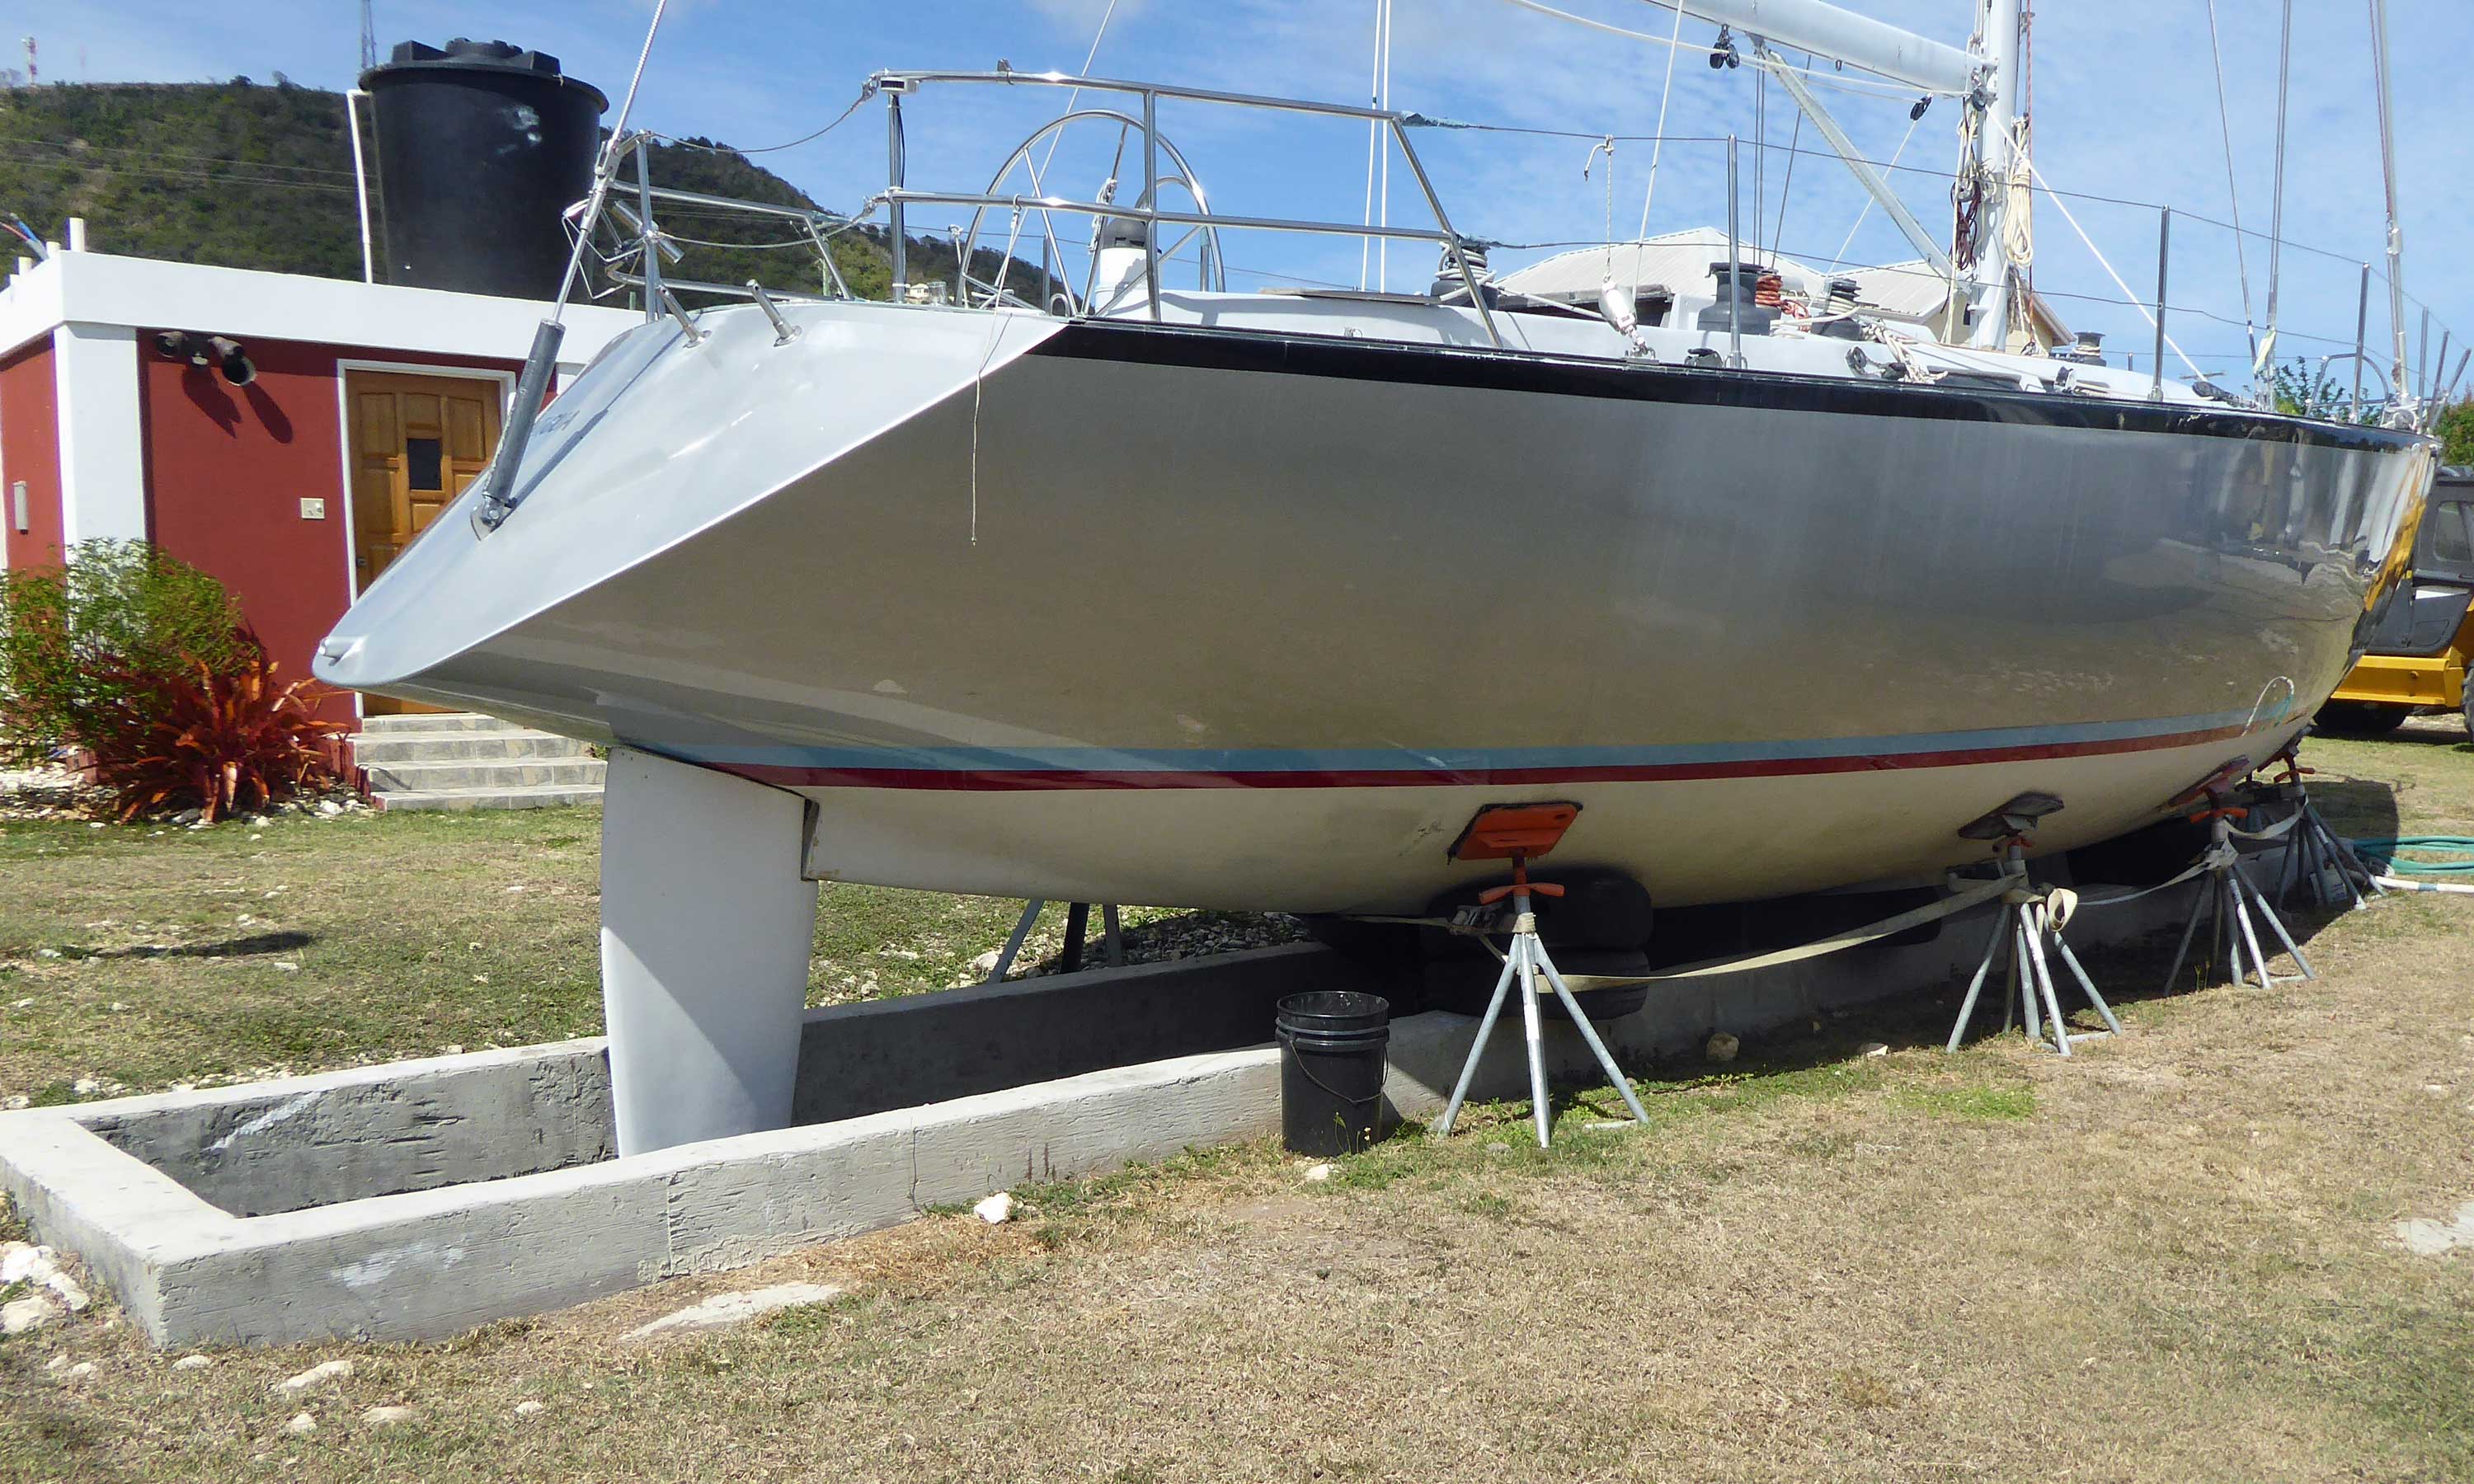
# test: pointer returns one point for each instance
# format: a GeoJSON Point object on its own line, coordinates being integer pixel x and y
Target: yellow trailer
{"type": "Point", "coordinates": [2421, 645]}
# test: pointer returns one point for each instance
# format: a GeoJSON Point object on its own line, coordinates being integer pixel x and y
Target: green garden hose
{"type": "Point", "coordinates": [2382, 856]}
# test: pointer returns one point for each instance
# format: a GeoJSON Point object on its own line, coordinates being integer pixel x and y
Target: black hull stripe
{"type": "Point", "coordinates": [1142, 344]}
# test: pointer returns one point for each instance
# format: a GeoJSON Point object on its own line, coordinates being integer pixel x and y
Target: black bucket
{"type": "Point", "coordinates": [1332, 1049]}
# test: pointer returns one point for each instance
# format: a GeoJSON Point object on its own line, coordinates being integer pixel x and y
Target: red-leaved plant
{"type": "Point", "coordinates": [212, 737]}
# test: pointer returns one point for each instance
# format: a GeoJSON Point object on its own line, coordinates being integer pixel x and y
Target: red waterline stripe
{"type": "Point", "coordinates": [1021, 779]}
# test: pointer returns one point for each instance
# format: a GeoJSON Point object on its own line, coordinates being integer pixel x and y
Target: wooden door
{"type": "Point", "coordinates": [416, 443]}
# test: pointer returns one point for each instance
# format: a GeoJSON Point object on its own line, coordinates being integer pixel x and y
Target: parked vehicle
{"type": "Point", "coordinates": [2423, 644]}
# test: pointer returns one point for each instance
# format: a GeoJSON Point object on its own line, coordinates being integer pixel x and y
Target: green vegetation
{"type": "Point", "coordinates": [2454, 429]}
{"type": "Point", "coordinates": [242, 176]}
{"type": "Point", "coordinates": [78, 643]}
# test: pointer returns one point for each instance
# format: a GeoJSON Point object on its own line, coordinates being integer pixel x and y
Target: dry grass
{"type": "Point", "coordinates": [2170, 1258]}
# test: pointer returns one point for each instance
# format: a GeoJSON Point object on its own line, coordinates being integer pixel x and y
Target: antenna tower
{"type": "Point", "coordinates": [33, 74]}
{"type": "Point", "coordinates": [369, 38]}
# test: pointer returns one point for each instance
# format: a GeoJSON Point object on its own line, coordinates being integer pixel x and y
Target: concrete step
{"type": "Point", "coordinates": [435, 721]}
{"type": "Point", "coordinates": [484, 773]}
{"type": "Point", "coordinates": [535, 796]}
{"type": "Point", "coordinates": [371, 748]}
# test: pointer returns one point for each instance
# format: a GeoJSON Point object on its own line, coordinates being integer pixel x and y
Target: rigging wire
{"type": "Point", "coordinates": [866, 91]}
{"type": "Point", "coordinates": [1788, 184]}
{"type": "Point", "coordinates": [1868, 196]}
{"type": "Point", "coordinates": [1665, 91]}
{"type": "Point", "coordinates": [2276, 207]}
{"type": "Point", "coordinates": [2106, 263]}
{"type": "Point", "coordinates": [2233, 190]}
{"type": "Point", "coordinates": [1075, 94]}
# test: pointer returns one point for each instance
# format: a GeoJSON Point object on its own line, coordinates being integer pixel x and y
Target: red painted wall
{"type": "Point", "coordinates": [29, 449]}
{"type": "Point", "coordinates": [227, 469]}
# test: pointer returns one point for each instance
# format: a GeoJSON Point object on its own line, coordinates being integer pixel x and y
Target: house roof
{"type": "Point", "coordinates": [1680, 261]}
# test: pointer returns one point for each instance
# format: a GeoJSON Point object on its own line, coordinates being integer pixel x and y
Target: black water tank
{"type": "Point", "coordinates": [481, 146]}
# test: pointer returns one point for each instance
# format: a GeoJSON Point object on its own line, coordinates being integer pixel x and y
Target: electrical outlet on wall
{"type": "Point", "coordinates": [313, 509]}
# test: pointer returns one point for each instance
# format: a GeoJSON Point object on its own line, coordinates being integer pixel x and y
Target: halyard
{"type": "Point", "coordinates": [2175, 1257]}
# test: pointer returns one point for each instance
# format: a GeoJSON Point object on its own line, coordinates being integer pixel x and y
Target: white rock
{"type": "Point", "coordinates": [31, 1313]}
{"type": "Point", "coordinates": [21, 1100]}
{"type": "Point", "coordinates": [301, 1425]}
{"type": "Point", "coordinates": [387, 1416]}
{"type": "Point", "coordinates": [47, 953]}
{"type": "Point", "coordinates": [82, 1368]}
{"type": "Point", "coordinates": [2427, 1238]}
{"type": "Point", "coordinates": [22, 1003]}
{"type": "Point", "coordinates": [731, 1308]}
{"type": "Point", "coordinates": [1873, 1048]}
{"type": "Point", "coordinates": [530, 1408]}
{"type": "Point", "coordinates": [18, 1262]}
{"type": "Point", "coordinates": [286, 967]}
{"type": "Point", "coordinates": [986, 964]}
{"type": "Point", "coordinates": [193, 1362]}
{"type": "Point", "coordinates": [324, 1370]}
{"type": "Point", "coordinates": [1317, 1172]}
{"type": "Point", "coordinates": [1721, 1047]}
{"type": "Point", "coordinates": [116, 1007]}
{"type": "Point", "coordinates": [67, 1288]}
{"type": "Point", "coordinates": [996, 1209]}
{"type": "Point", "coordinates": [455, 1051]}
{"type": "Point", "coordinates": [329, 807]}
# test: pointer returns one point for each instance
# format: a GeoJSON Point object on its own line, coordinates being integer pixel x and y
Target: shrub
{"type": "Point", "coordinates": [123, 602]}
{"type": "Point", "coordinates": [213, 738]}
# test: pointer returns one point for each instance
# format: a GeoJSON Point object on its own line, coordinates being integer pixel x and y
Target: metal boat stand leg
{"type": "Point", "coordinates": [1477, 1047]}
{"type": "Point", "coordinates": [2276, 925]}
{"type": "Point", "coordinates": [2079, 973]}
{"type": "Point", "coordinates": [2026, 978]}
{"type": "Point", "coordinates": [1589, 1033]}
{"type": "Point", "coordinates": [1521, 944]}
{"type": "Point", "coordinates": [1078, 927]}
{"type": "Point", "coordinates": [1112, 935]}
{"type": "Point", "coordinates": [2182, 950]}
{"type": "Point", "coordinates": [1974, 988]}
{"type": "Point", "coordinates": [707, 929]}
{"type": "Point", "coordinates": [1022, 926]}
{"type": "Point", "coordinates": [2036, 926]}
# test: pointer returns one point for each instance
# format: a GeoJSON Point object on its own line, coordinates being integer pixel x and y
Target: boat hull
{"type": "Point", "coordinates": [1221, 617]}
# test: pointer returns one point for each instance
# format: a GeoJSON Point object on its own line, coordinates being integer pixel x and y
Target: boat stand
{"type": "Point", "coordinates": [2027, 936]}
{"type": "Point", "coordinates": [2314, 855]}
{"type": "Point", "coordinates": [2228, 899]}
{"type": "Point", "coordinates": [2319, 859]}
{"type": "Point", "coordinates": [1078, 927]}
{"type": "Point", "coordinates": [1517, 832]}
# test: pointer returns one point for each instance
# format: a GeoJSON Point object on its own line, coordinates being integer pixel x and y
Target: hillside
{"type": "Point", "coordinates": [241, 175]}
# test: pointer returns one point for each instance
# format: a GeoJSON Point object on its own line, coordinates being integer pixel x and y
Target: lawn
{"type": "Point", "coordinates": [136, 958]}
{"type": "Point", "coordinates": [2173, 1258]}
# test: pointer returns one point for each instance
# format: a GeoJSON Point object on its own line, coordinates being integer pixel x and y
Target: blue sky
{"type": "Point", "coordinates": [2126, 106]}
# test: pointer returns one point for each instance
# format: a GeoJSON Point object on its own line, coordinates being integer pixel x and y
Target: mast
{"type": "Point", "coordinates": [1997, 141]}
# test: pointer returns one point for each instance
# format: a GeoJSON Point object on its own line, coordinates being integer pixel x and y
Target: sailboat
{"type": "Point", "coordinates": [1131, 590]}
